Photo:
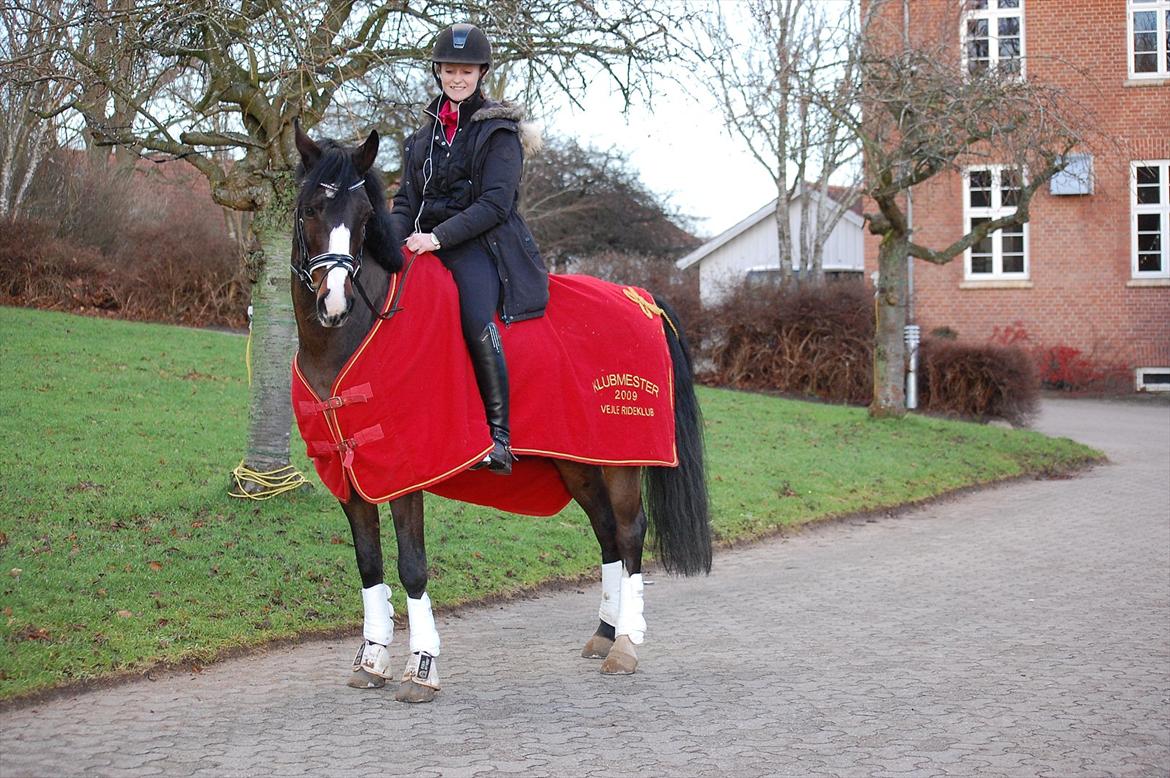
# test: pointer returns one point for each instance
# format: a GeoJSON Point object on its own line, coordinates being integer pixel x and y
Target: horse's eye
{"type": "Point", "coordinates": [310, 211]}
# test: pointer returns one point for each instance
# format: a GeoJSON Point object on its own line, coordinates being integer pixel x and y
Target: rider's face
{"type": "Point", "coordinates": [458, 80]}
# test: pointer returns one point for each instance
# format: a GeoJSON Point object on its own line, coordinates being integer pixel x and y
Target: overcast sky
{"type": "Point", "coordinates": [680, 149]}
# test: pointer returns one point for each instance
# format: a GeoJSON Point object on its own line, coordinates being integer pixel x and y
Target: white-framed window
{"type": "Point", "coordinates": [992, 192]}
{"type": "Point", "coordinates": [1149, 38]}
{"type": "Point", "coordinates": [1149, 197]}
{"type": "Point", "coordinates": [993, 36]}
{"type": "Point", "coordinates": [1152, 379]}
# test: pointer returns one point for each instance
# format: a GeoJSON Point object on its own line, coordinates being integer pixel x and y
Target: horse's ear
{"type": "Point", "coordinates": [364, 155]}
{"type": "Point", "coordinates": [310, 151]}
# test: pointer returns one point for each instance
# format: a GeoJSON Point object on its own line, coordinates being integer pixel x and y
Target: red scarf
{"type": "Point", "coordinates": [449, 118]}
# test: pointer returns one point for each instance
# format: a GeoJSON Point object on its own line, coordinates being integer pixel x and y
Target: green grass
{"type": "Point", "coordinates": [119, 548]}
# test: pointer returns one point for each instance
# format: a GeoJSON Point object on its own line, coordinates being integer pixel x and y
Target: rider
{"type": "Point", "coordinates": [458, 198]}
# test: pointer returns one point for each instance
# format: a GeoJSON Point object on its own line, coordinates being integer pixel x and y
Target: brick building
{"type": "Point", "coordinates": [1091, 270]}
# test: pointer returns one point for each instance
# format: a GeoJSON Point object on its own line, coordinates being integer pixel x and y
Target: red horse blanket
{"type": "Point", "coordinates": [590, 381]}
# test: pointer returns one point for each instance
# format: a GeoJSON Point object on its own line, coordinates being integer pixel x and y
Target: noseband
{"type": "Point", "coordinates": [329, 260]}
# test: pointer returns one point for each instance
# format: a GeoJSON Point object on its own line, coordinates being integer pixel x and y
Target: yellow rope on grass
{"type": "Point", "coordinates": [271, 483]}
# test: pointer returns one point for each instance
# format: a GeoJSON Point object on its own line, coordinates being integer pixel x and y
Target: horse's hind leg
{"type": "Point", "coordinates": [611, 497]}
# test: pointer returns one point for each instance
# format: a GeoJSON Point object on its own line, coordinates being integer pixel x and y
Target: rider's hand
{"type": "Point", "coordinates": [420, 242]}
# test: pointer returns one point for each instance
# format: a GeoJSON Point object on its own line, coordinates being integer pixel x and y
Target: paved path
{"type": "Point", "coordinates": [1019, 631]}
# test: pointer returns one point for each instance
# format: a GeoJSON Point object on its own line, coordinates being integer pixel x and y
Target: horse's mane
{"type": "Point", "coordinates": [335, 166]}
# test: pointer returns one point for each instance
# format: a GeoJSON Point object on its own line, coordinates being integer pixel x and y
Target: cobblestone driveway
{"type": "Point", "coordinates": [1021, 631]}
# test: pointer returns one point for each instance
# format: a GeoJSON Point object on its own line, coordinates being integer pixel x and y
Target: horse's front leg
{"type": "Point", "coordinates": [371, 666]}
{"type": "Point", "coordinates": [420, 682]}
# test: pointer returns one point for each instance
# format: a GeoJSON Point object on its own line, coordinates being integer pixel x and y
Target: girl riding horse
{"type": "Point", "coordinates": [458, 198]}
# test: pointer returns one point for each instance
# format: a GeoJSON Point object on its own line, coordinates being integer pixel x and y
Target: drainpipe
{"type": "Point", "coordinates": [913, 334]}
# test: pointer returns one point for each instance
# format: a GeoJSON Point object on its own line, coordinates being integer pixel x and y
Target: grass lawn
{"type": "Point", "coordinates": [119, 548]}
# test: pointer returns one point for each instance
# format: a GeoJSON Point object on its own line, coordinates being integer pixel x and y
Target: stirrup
{"type": "Point", "coordinates": [499, 460]}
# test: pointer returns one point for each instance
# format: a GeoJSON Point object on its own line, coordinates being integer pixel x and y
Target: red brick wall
{"type": "Point", "coordinates": [1079, 257]}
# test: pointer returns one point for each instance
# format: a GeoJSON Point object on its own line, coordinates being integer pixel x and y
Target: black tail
{"type": "Point", "coordinates": [676, 497]}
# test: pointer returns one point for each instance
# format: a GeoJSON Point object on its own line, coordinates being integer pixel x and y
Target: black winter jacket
{"type": "Point", "coordinates": [472, 193]}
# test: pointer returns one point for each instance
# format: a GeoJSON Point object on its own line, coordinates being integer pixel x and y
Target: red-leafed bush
{"type": "Point", "coordinates": [1071, 370]}
{"type": "Point", "coordinates": [978, 382]}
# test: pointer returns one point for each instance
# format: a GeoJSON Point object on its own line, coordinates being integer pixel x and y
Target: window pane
{"type": "Point", "coordinates": [1145, 42]}
{"type": "Point", "coordinates": [1149, 263]}
{"type": "Point", "coordinates": [977, 28]}
{"type": "Point", "coordinates": [1009, 195]}
{"type": "Point", "coordinates": [1145, 21]}
{"type": "Point", "coordinates": [980, 198]}
{"type": "Point", "coordinates": [1147, 175]}
{"type": "Point", "coordinates": [1009, 48]}
{"type": "Point", "coordinates": [1148, 195]}
{"type": "Point", "coordinates": [1009, 3]}
{"type": "Point", "coordinates": [979, 4]}
{"type": "Point", "coordinates": [1013, 244]}
{"type": "Point", "coordinates": [981, 251]}
{"type": "Point", "coordinates": [980, 263]}
{"type": "Point", "coordinates": [1145, 63]}
{"type": "Point", "coordinates": [1013, 264]}
{"type": "Point", "coordinates": [1149, 222]}
{"type": "Point", "coordinates": [1009, 27]}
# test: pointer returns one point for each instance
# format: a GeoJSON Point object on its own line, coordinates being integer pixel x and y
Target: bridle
{"type": "Point", "coordinates": [329, 260]}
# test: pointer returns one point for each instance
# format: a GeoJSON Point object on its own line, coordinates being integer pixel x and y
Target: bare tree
{"type": "Point", "coordinates": [921, 112]}
{"type": "Point", "coordinates": [219, 85]}
{"type": "Point", "coordinates": [35, 89]}
{"type": "Point", "coordinates": [581, 201]}
{"type": "Point", "coordinates": [764, 61]}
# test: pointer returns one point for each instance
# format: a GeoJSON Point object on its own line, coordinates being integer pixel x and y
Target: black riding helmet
{"type": "Point", "coordinates": [464, 44]}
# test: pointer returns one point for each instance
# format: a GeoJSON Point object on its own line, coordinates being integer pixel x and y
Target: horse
{"type": "Point", "coordinates": [341, 217]}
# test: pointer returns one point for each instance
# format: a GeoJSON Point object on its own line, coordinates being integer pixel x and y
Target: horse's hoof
{"type": "Point", "coordinates": [360, 679]}
{"type": "Point", "coordinates": [597, 647]}
{"type": "Point", "coordinates": [409, 691]}
{"type": "Point", "coordinates": [622, 658]}
{"type": "Point", "coordinates": [420, 682]}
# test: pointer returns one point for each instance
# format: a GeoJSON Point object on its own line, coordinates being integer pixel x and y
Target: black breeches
{"type": "Point", "coordinates": [478, 283]}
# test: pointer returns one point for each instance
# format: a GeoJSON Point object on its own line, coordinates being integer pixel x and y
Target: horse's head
{"type": "Point", "coordinates": [333, 207]}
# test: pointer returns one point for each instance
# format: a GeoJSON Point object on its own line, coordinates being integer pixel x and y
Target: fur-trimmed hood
{"type": "Point", "coordinates": [531, 139]}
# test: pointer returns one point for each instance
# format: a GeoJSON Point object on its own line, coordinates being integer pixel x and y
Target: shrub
{"type": "Point", "coordinates": [1068, 369]}
{"type": "Point", "coordinates": [815, 341]}
{"type": "Point", "coordinates": [136, 244]}
{"type": "Point", "coordinates": [978, 381]}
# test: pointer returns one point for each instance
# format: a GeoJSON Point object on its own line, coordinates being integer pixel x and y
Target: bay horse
{"type": "Point", "coordinates": [341, 217]}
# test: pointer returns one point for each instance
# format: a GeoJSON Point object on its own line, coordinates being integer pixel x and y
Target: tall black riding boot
{"type": "Point", "coordinates": [491, 373]}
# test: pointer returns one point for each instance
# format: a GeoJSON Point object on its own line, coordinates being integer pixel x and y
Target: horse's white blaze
{"type": "Point", "coordinates": [630, 620]}
{"type": "Point", "coordinates": [335, 281]}
{"type": "Point", "coordinates": [423, 635]}
{"type": "Point", "coordinates": [379, 617]}
{"type": "Point", "coordinates": [611, 592]}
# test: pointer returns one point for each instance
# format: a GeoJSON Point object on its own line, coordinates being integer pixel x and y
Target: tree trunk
{"type": "Point", "coordinates": [784, 239]}
{"type": "Point", "coordinates": [889, 353]}
{"type": "Point", "coordinates": [274, 336]}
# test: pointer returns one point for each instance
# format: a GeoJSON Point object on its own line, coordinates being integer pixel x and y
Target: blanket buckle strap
{"type": "Point", "coordinates": [358, 394]}
{"type": "Point", "coordinates": [347, 445]}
